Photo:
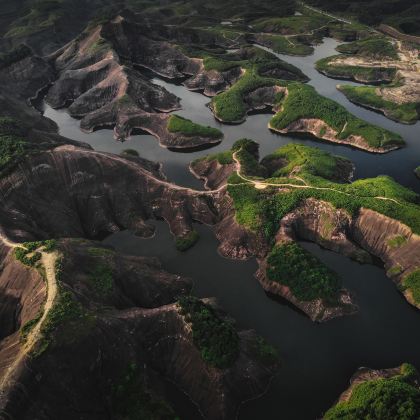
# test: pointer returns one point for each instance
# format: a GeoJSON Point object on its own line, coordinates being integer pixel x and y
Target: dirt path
{"type": "Point", "coordinates": [260, 185]}
{"type": "Point", "coordinates": [48, 261]}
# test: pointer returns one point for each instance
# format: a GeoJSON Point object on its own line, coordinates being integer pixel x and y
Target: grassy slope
{"type": "Point", "coordinates": [367, 96]}
{"type": "Point", "coordinates": [177, 124]}
{"type": "Point", "coordinates": [376, 47]}
{"type": "Point", "coordinates": [304, 102]}
{"type": "Point", "coordinates": [307, 278]}
{"type": "Point", "coordinates": [397, 397]}
{"type": "Point", "coordinates": [261, 210]}
{"type": "Point", "coordinates": [365, 74]}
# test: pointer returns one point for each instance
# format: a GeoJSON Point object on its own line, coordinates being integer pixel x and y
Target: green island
{"type": "Point", "coordinates": [302, 101]}
{"type": "Point", "coordinates": [375, 47]}
{"type": "Point", "coordinates": [367, 96]}
{"type": "Point", "coordinates": [215, 337]}
{"type": "Point", "coordinates": [307, 278]}
{"type": "Point", "coordinates": [177, 124]}
{"type": "Point", "coordinates": [388, 398]}
{"type": "Point", "coordinates": [293, 101]}
{"type": "Point", "coordinates": [364, 74]}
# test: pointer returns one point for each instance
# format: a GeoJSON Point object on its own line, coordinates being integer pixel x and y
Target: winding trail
{"type": "Point", "coordinates": [263, 184]}
{"type": "Point", "coordinates": [48, 260]}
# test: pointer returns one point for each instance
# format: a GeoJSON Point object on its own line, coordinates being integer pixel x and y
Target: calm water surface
{"type": "Point", "coordinates": [317, 359]}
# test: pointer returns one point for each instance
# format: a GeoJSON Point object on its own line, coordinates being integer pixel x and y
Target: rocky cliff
{"type": "Point", "coordinates": [119, 315]}
{"type": "Point", "coordinates": [76, 192]}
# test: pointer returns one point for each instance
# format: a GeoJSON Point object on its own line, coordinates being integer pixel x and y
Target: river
{"type": "Point", "coordinates": [317, 360]}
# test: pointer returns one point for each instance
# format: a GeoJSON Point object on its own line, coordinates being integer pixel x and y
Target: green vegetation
{"type": "Point", "coordinates": [377, 47]}
{"type": "Point", "coordinates": [27, 327]}
{"type": "Point", "coordinates": [28, 252]}
{"type": "Point", "coordinates": [247, 153]}
{"type": "Point", "coordinates": [283, 45]}
{"type": "Point", "coordinates": [216, 338]}
{"type": "Point", "coordinates": [303, 101]}
{"type": "Point", "coordinates": [307, 278]}
{"type": "Point", "coordinates": [100, 252]}
{"type": "Point", "coordinates": [224, 158]}
{"type": "Point", "coordinates": [130, 152]}
{"type": "Point", "coordinates": [394, 398]}
{"type": "Point", "coordinates": [177, 124]}
{"type": "Point", "coordinates": [41, 15]}
{"type": "Point", "coordinates": [67, 319]}
{"type": "Point", "coordinates": [359, 73]}
{"type": "Point", "coordinates": [183, 243]}
{"type": "Point", "coordinates": [131, 400]}
{"type": "Point", "coordinates": [229, 106]}
{"type": "Point", "coordinates": [397, 241]}
{"type": "Point", "coordinates": [417, 171]}
{"type": "Point", "coordinates": [305, 159]}
{"type": "Point", "coordinates": [262, 210]}
{"type": "Point", "coordinates": [367, 96]}
{"type": "Point", "coordinates": [13, 145]}
{"type": "Point", "coordinates": [412, 282]}
{"type": "Point", "coordinates": [265, 352]}
{"type": "Point", "coordinates": [101, 277]}
{"type": "Point", "coordinates": [394, 270]}
{"type": "Point", "coordinates": [27, 257]}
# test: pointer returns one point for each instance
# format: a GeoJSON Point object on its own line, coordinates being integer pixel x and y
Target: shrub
{"type": "Point", "coordinates": [183, 243]}
{"type": "Point", "coordinates": [21, 254]}
{"type": "Point", "coordinates": [132, 400]}
{"type": "Point", "coordinates": [307, 278]}
{"type": "Point", "coordinates": [177, 124]}
{"type": "Point", "coordinates": [397, 241]}
{"type": "Point", "coordinates": [216, 338]}
{"type": "Point", "coordinates": [101, 277]}
{"type": "Point", "coordinates": [381, 399]}
{"type": "Point", "coordinates": [130, 152]}
{"type": "Point", "coordinates": [412, 282]}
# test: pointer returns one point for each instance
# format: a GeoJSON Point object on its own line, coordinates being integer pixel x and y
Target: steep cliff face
{"type": "Point", "coordinates": [22, 293]}
{"type": "Point", "coordinates": [82, 193]}
{"type": "Point", "coordinates": [390, 240]}
{"type": "Point", "coordinates": [120, 311]}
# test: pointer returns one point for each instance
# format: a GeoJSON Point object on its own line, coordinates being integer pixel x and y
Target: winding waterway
{"type": "Point", "coordinates": [317, 359]}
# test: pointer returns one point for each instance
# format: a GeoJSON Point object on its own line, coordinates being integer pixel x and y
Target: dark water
{"type": "Point", "coordinates": [317, 359]}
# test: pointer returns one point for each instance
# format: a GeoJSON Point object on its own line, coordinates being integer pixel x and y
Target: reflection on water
{"type": "Point", "coordinates": [317, 359]}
